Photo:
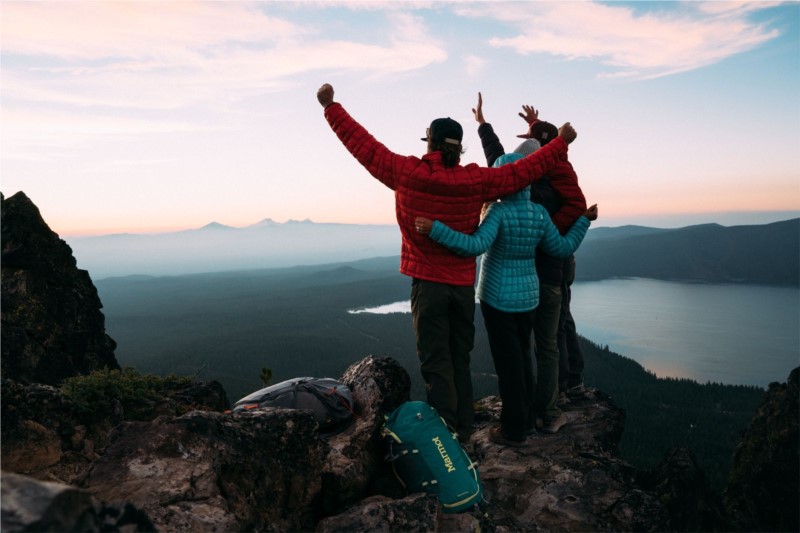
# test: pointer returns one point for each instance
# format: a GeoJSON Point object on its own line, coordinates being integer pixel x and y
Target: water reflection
{"type": "Point", "coordinates": [735, 334]}
{"type": "Point", "coordinates": [396, 307]}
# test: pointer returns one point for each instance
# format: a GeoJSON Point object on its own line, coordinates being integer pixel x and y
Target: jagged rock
{"type": "Point", "coordinates": [417, 512]}
{"type": "Point", "coordinates": [31, 505]}
{"type": "Point", "coordinates": [207, 471]}
{"type": "Point", "coordinates": [570, 481]}
{"type": "Point", "coordinates": [681, 486]}
{"type": "Point", "coordinates": [52, 327]}
{"type": "Point", "coordinates": [378, 384]}
{"type": "Point", "coordinates": [763, 491]}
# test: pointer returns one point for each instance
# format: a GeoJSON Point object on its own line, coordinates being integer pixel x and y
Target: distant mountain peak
{"type": "Point", "coordinates": [267, 222]}
{"type": "Point", "coordinates": [216, 225]}
{"type": "Point", "coordinates": [304, 221]}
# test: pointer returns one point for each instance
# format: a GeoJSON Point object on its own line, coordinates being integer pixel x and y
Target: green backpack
{"type": "Point", "coordinates": [427, 457]}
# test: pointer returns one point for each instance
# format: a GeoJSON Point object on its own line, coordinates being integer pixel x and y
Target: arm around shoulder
{"type": "Point", "coordinates": [469, 245]}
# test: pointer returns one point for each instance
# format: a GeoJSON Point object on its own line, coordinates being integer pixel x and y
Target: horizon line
{"type": "Point", "coordinates": [661, 221]}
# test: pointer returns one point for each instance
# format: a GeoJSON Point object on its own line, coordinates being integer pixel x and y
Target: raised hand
{"type": "Point", "coordinates": [591, 213]}
{"type": "Point", "coordinates": [325, 95]}
{"type": "Point", "coordinates": [529, 114]}
{"type": "Point", "coordinates": [478, 111]}
{"type": "Point", "coordinates": [567, 132]}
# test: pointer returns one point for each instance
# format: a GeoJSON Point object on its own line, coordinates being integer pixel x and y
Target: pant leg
{"type": "Point", "coordinates": [506, 332]}
{"type": "Point", "coordinates": [572, 362]}
{"type": "Point", "coordinates": [462, 340]}
{"type": "Point", "coordinates": [443, 346]}
{"type": "Point", "coordinates": [545, 331]}
{"type": "Point", "coordinates": [525, 330]}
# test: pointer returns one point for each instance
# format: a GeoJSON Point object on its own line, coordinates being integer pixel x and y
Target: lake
{"type": "Point", "coordinates": [732, 334]}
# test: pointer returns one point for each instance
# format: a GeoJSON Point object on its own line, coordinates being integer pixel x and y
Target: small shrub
{"type": "Point", "coordinates": [95, 395]}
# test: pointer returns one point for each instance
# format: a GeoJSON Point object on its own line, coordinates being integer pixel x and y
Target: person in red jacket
{"type": "Point", "coordinates": [437, 187]}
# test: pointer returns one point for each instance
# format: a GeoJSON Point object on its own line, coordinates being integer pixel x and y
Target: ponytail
{"type": "Point", "coordinates": [451, 154]}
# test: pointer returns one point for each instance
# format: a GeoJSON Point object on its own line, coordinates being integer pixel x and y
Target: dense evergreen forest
{"type": "Point", "coordinates": [664, 413]}
{"type": "Point", "coordinates": [296, 321]}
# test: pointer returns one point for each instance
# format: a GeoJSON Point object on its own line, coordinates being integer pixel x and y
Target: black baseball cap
{"type": "Point", "coordinates": [444, 130]}
{"type": "Point", "coordinates": [542, 131]}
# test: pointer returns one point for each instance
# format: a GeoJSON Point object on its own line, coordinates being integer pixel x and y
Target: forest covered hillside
{"type": "Point", "coordinates": [768, 253]}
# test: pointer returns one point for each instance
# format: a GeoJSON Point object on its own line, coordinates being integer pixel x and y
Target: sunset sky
{"type": "Point", "coordinates": [152, 116]}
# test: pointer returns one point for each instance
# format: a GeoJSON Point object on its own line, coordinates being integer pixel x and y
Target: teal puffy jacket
{"type": "Point", "coordinates": [509, 235]}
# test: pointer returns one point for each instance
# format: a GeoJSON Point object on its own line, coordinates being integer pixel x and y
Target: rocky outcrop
{"type": "Point", "coordinates": [52, 327]}
{"type": "Point", "coordinates": [270, 470]}
{"type": "Point", "coordinates": [45, 435]}
{"type": "Point", "coordinates": [763, 492]}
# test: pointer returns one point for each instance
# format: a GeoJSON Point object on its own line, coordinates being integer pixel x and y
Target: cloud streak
{"type": "Point", "coordinates": [634, 45]}
{"type": "Point", "coordinates": [171, 55]}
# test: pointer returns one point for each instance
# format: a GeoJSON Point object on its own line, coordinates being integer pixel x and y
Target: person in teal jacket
{"type": "Point", "coordinates": [508, 290]}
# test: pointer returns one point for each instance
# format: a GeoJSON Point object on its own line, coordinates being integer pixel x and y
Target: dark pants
{"type": "Point", "coordinates": [443, 317]}
{"type": "Point", "coordinates": [510, 341]}
{"type": "Point", "coordinates": [570, 353]}
{"type": "Point", "coordinates": [545, 334]}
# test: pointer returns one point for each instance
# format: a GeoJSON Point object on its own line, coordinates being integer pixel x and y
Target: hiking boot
{"type": "Point", "coordinates": [496, 436]}
{"type": "Point", "coordinates": [553, 424]}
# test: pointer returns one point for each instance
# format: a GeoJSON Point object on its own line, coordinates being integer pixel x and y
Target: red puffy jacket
{"type": "Point", "coordinates": [423, 187]}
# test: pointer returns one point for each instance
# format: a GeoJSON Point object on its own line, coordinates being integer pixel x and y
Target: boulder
{"type": "Point", "coordinates": [378, 384]}
{"type": "Point", "coordinates": [206, 471]}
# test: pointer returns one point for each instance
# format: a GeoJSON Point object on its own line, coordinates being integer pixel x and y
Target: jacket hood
{"type": "Point", "coordinates": [524, 194]}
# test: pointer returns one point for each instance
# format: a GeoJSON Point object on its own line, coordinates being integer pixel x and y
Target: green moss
{"type": "Point", "coordinates": [97, 395]}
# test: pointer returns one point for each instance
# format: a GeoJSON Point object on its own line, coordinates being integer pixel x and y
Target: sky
{"type": "Point", "coordinates": [154, 116]}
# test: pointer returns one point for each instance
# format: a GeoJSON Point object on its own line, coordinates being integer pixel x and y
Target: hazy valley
{"type": "Point", "coordinates": [766, 253]}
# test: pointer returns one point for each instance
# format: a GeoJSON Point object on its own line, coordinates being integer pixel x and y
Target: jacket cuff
{"type": "Point", "coordinates": [436, 231]}
{"type": "Point", "coordinates": [330, 107]}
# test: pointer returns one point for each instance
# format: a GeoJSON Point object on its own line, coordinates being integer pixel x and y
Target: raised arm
{"type": "Point", "coordinates": [461, 243]}
{"type": "Point", "coordinates": [379, 161]}
{"type": "Point", "coordinates": [492, 148]}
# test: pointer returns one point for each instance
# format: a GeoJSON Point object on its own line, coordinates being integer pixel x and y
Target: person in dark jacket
{"type": "Point", "coordinates": [442, 292]}
{"type": "Point", "coordinates": [571, 360]}
{"type": "Point", "coordinates": [508, 290]}
{"type": "Point", "coordinates": [562, 197]}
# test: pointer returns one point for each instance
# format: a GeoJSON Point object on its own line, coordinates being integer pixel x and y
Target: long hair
{"type": "Point", "coordinates": [451, 153]}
